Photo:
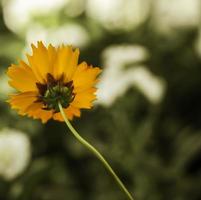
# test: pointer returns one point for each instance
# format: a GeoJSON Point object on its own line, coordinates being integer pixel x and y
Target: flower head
{"type": "Point", "coordinates": [52, 75]}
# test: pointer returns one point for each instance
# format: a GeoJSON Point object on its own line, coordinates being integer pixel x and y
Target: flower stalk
{"type": "Point", "coordinates": [93, 150]}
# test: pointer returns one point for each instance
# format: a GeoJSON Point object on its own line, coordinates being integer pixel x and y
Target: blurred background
{"type": "Point", "coordinates": [147, 119]}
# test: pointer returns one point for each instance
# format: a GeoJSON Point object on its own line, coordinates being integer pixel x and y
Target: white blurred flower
{"type": "Point", "coordinates": [14, 153]}
{"type": "Point", "coordinates": [75, 8]}
{"type": "Point", "coordinates": [18, 13]}
{"type": "Point", "coordinates": [116, 79]}
{"type": "Point", "coordinates": [118, 14]}
{"type": "Point", "coordinates": [70, 34]}
{"type": "Point", "coordinates": [171, 14]}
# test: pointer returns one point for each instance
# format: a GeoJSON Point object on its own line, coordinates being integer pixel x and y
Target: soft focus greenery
{"type": "Point", "coordinates": [154, 147]}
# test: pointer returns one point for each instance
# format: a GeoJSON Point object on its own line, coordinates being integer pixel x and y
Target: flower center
{"type": "Point", "coordinates": [56, 94]}
{"type": "Point", "coordinates": [55, 91]}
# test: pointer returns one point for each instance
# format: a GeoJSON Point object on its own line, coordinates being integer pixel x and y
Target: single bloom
{"type": "Point", "coordinates": [52, 75]}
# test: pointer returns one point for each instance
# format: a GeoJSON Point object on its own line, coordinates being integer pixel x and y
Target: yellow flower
{"type": "Point", "coordinates": [52, 75]}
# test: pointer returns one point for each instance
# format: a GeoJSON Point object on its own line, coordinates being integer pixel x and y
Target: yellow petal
{"type": "Point", "coordinates": [85, 77]}
{"type": "Point", "coordinates": [52, 54]}
{"type": "Point", "coordinates": [70, 112]}
{"type": "Point", "coordinates": [84, 99]}
{"type": "Point", "coordinates": [35, 110]}
{"type": "Point", "coordinates": [26, 105]}
{"type": "Point", "coordinates": [41, 61]}
{"type": "Point", "coordinates": [22, 101]}
{"type": "Point", "coordinates": [22, 77]}
{"type": "Point", "coordinates": [66, 62]}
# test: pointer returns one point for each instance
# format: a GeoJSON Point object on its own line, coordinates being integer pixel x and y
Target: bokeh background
{"type": "Point", "coordinates": [147, 119]}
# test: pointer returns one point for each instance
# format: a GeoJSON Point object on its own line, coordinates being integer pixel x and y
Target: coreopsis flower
{"type": "Point", "coordinates": [51, 76]}
{"type": "Point", "coordinates": [54, 85]}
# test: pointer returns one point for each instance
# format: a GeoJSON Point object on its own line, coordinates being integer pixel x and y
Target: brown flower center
{"type": "Point", "coordinates": [55, 91]}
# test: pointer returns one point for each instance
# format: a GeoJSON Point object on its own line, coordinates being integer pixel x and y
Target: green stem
{"type": "Point", "coordinates": [95, 152]}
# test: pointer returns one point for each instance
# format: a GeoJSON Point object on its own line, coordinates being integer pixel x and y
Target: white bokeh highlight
{"type": "Point", "coordinates": [172, 14]}
{"type": "Point", "coordinates": [118, 14]}
{"type": "Point", "coordinates": [15, 153]}
{"type": "Point", "coordinates": [116, 79]}
{"type": "Point", "coordinates": [18, 13]}
{"type": "Point", "coordinates": [72, 34]}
